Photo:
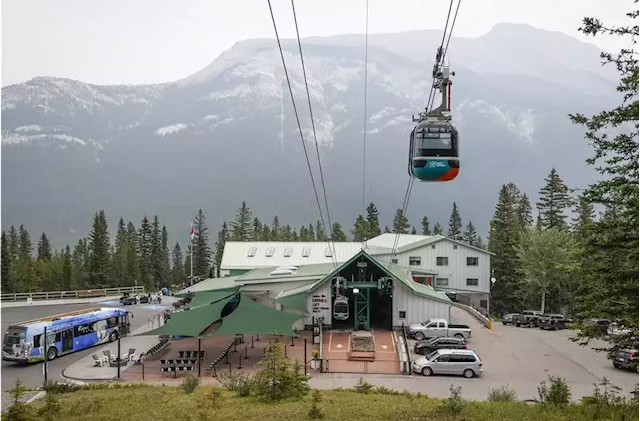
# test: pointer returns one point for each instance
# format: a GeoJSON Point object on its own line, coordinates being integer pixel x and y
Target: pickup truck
{"type": "Point", "coordinates": [528, 318]}
{"type": "Point", "coordinates": [438, 327]}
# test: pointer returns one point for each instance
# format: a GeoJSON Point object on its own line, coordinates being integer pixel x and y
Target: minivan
{"type": "Point", "coordinates": [461, 362]}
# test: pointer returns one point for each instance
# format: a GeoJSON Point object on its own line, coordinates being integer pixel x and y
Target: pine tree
{"type": "Point", "coordinates": [470, 236]}
{"type": "Point", "coordinates": [119, 257]}
{"type": "Point", "coordinates": [177, 270]}
{"type": "Point", "coordinates": [275, 229]}
{"type": "Point", "coordinates": [266, 233]}
{"type": "Point", "coordinates": [80, 265]}
{"type": "Point", "coordinates": [312, 234]}
{"type": "Point", "coordinates": [455, 223]}
{"type": "Point", "coordinates": [202, 251]}
{"type": "Point", "coordinates": [524, 211]}
{"type": "Point", "coordinates": [320, 232]}
{"type": "Point", "coordinates": [241, 229]}
{"type": "Point", "coordinates": [100, 251]}
{"type": "Point", "coordinates": [156, 253]}
{"type": "Point", "coordinates": [413, 231]}
{"type": "Point", "coordinates": [400, 223]}
{"type": "Point", "coordinates": [67, 269]}
{"type": "Point", "coordinates": [609, 276]}
{"type": "Point", "coordinates": [387, 230]}
{"type": "Point", "coordinates": [584, 215]}
{"type": "Point", "coordinates": [223, 237]}
{"type": "Point", "coordinates": [337, 234]}
{"type": "Point", "coordinates": [437, 229]}
{"type": "Point", "coordinates": [144, 253]}
{"type": "Point", "coordinates": [166, 260]}
{"type": "Point", "coordinates": [256, 229]}
{"type": "Point", "coordinates": [44, 248]}
{"type": "Point", "coordinates": [373, 222]}
{"type": "Point", "coordinates": [504, 237]}
{"type": "Point", "coordinates": [360, 230]}
{"type": "Point", "coordinates": [304, 234]}
{"type": "Point", "coordinates": [426, 229]}
{"type": "Point", "coordinates": [132, 272]}
{"type": "Point", "coordinates": [554, 201]}
{"type": "Point", "coordinates": [294, 235]}
{"type": "Point", "coordinates": [285, 234]}
{"type": "Point", "coordinates": [5, 264]}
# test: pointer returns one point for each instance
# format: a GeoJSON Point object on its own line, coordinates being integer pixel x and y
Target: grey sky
{"type": "Point", "coordinates": [149, 41]}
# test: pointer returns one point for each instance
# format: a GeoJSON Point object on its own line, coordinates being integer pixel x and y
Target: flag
{"type": "Point", "coordinates": [192, 233]}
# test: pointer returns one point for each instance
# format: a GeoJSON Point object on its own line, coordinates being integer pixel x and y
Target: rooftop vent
{"type": "Point", "coordinates": [270, 251]}
{"type": "Point", "coordinates": [287, 251]}
{"type": "Point", "coordinates": [252, 251]}
{"type": "Point", "coordinates": [284, 270]}
{"type": "Point", "coordinates": [306, 251]}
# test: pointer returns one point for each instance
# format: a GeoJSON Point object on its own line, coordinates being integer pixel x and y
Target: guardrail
{"type": "Point", "coordinates": [68, 295]}
{"type": "Point", "coordinates": [475, 313]}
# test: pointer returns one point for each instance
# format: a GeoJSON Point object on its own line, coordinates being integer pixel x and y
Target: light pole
{"type": "Point", "coordinates": [493, 282]}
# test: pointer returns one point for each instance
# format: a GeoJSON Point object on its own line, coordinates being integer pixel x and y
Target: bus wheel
{"type": "Point", "coordinates": [113, 335]}
{"type": "Point", "coordinates": [52, 353]}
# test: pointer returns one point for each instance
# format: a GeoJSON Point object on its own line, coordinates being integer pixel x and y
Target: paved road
{"type": "Point", "coordinates": [32, 375]}
{"type": "Point", "coordinates": [522, 358]}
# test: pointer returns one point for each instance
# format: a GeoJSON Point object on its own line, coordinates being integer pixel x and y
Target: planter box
{"type": "Point", "coordinates": [315, 364]}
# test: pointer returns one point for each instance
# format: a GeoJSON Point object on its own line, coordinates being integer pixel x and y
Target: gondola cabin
{"type": "Point", "coordinates": [433, 151]}
{"type": "Point", "coordinates": [341, 308]}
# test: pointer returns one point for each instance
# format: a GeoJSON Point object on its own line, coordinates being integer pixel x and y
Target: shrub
{"type": "Point", "coordinates": [214, 398]}
{"type": "Point", "coordinates": [502, 394]}
{"type": "Point", "coordinates": [239, 383]}
{"type": "Point", "coordinates": [190, 383]}
{"type": "Point", "coordinates": [381, 390]}
{"type": "Point", "coordinates": [454, 404]}
{"type": "Point", "coordinates": [557, 393]}
{"type": "Point", "coordinates": [55, 387]}
{"type": "Point", "coordinates": [362, 386]}
{"type": "Point", "coordinates": [19, 411]}
{"type": "Point", "coordinates": [315, 412]}
{"type": "Point", "coordinates": [280, 377]}
{"type": "Point", "coordinates": [51, 409]}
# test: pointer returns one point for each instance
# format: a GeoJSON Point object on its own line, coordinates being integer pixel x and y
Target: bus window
{"type": "Point", "coordinates": [83, 329]}
{"type": "Point", "coordinates": [36, 341]}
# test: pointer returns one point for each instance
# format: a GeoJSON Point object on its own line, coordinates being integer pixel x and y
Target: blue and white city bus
{"type": "Point", "coordinates": [66, 333]}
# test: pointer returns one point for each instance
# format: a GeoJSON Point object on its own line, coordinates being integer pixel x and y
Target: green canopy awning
{"type": "Point", "coordinates": [297, 301]}
{"type": "Point", "coordinates": [251, 317]}
{"type": "Point", "coordinates": [191, 322]}
{"type": "Point", "coordinates": [203, 298]}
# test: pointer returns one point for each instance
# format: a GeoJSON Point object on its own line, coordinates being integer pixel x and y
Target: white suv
{"type": "Point", "coordinates": [461, 362]}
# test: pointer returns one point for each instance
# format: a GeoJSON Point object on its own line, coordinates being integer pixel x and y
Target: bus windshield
{"type": "Point", "coordinates": [13, 336]}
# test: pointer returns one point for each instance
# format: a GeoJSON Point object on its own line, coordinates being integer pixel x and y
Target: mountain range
{"type": "Point", "coordinates": [227, 133]}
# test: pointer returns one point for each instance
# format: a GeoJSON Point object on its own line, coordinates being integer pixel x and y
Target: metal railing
{"type": "Point", "coordinates": [68, 295]}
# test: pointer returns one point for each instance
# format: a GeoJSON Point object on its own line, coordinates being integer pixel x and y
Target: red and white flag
{"type": "Point", "coordinates": [192, 233]}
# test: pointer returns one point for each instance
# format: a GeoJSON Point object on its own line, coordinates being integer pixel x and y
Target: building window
{"type": "Point", "coordinates": [270, 251]}
{"type": "Point", "coordinates": [414, 261]}
{"type": "Point", "coordinates": [472, 282]}
{"type": "Point", "coordinates": [287, 252]}
{"type": "Point", "coordinates": [455, 247]}
{"type": "Point", "coordinates": [442, 261]}
{"type": "Point", "coordinates": [402, 314]}
{"type": "Point", "coordinates": [252, 252]}
{"type": "Point", "coordinates": [433, 247]}
{"type": "Point", "coordinates": [442, 282]}
{"type": "Point", "coordinates": [472, 261]}
{"type": "Point", "coordinates": [394, 261]}
{"type": "Point", "coordinates": [306, 251]}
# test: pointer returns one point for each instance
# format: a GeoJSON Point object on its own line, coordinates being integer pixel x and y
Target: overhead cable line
{"type": "Point", "coordinates": [364, 139]}
{"type": "Point", "coordinates": [304, 146]}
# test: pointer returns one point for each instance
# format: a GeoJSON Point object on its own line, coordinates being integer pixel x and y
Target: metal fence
{"type": "Point", "coordinates": [336, 365]}
{"type": "Point", "coordinates": [67, 295]}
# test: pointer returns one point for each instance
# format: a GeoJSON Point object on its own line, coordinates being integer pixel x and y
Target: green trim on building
{"type": "Point", "coordinates": [238, 272]}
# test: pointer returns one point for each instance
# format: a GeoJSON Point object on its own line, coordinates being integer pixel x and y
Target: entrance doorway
{"type": "Point", "coordinates": [67, 340]}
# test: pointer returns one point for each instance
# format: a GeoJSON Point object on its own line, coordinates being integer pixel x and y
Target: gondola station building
{"type": "Point", "coordinates": [353, 285]}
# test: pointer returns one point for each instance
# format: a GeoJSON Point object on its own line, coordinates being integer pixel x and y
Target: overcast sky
{"type": "Point", "coordinates": [151, 41]}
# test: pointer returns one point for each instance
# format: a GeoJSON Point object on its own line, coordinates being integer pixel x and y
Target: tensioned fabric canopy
{"type": "Point", "coordinates": [203, 298]}
{"type": "Point", "coordinates": [251, 317]}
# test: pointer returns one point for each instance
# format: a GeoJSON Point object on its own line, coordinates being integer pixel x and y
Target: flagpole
{"type": "Point", "coordinates": [191, 261]}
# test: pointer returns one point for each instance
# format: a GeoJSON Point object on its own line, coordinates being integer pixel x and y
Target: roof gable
{"type": "Point", "coordinates": [436, 239]}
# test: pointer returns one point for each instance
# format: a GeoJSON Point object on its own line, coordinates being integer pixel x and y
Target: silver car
{"type": "Point", "coordinates": [461, 362]}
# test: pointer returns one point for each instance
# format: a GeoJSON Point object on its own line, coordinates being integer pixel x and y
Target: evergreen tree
{"type": "Point", "coordinates": [294, 235]}
{"type": "Point", "coordinates": [241, 228]}
{"type": "Point", "coordinates": [455, 223]}
{"type": "Point", "coordinates": [166, 260]}
{"type": "Point", "coordinates": [554, 201]}
{"type": "Point", "coordinates": [285, 234]}
{"type": "Point", "coordinates": [426, 229]}
{"type": "Point", "coordinates": [320, 232]}
{"type": "Point", "coordinates": [44, 248]}
{"type": "Point", "coordinates": [132, 272]}
{"type": "Point", "coordinates": [609, 274]}
{"type": "Point", "coordinates": [437, 229]}
{"type": "Point", "coordinates": [145, 246]}
{"type": "Point", "coordinates": [202, 251]}
{"type": "Point", "coordinates": [67, 269]}
{"type": "Point", "coordinates": [503, 241]}
{"type": "Point", "coordinates": [387, 230]}
{"type": "Point", "coordinates": [524, 211]}
{"type": "Point", "coordinates": [5, 264]}
{"type": "Point", "coordinates": [304, 234]}
{"type": "Point", "coordinates": [413, 231]}
{"type": "Point", "coordinates": [470, 236]}
{"type": "Point", "coordinates": [312, 234]}
{"type": "Point", "coordinates": [257, 229]}
{"type": "Point", "coordinates": [223, 237]}
{"type": "Point", "coordinates": [100, 251]}
{"type": "Point", "coordinates": [266, 233]}
{"type": "Point", "coordinates": [400, 223]}
{"type": "Point", "coordinates": [156, 253]}
{"type": "Point", "coordinates": [119, 257]}
{"type": "Point", "coordinates": [361, 229]}
{"type": "Point", "coordinates": [373, 222]}
{"type": "Point", "coordinates": [275, 229]}
{"type": "Point", "coordinates": [337, 234]}
{"type": "Point", "coordinates": [584, 216]}
{"type": "Point", "coordinates": [177, 270]}
{"type": "Point", "coordinates": [80, 261]}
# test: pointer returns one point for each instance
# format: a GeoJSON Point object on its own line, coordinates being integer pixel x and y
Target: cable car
{"type": "Point", "coordinates": [433, 150]}
{"type": "Point", "coordinates": [341, 308]}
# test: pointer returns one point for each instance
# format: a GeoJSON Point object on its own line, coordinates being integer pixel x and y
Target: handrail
{"type": "Point", "coordinates": [62, 295]}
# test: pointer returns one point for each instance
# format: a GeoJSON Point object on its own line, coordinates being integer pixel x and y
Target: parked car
{"type": "Point", "coordinates": [552, 321]}
{"type": "Point", "coordinates": [463, 362]}
{"type": "Point", "coordinates": [626, 359]}
{"type": "Point", "coordinates": [437, 328]}
{"type": "Point", "coordinates": [616, 329]}
{"type": "Point", "coordinates": [528, 318]}
{"type": "Point", "coordinates": [126, 299]}
{"type": "Point", "coordinates": [427, 347]}
{"type": "Point", "coordinates": [509, 319]}
{"type": "Point", "coordinates": [603, 324]}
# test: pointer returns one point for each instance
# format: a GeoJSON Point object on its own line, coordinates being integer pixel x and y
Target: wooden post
{"type": "Point", "coordinates": [199, 358]}
{"type": "Point", "coordinates": [305, 356]}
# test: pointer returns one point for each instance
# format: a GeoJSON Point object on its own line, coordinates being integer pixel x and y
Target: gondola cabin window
{"type": "Point", "coordinates": [340, 308]}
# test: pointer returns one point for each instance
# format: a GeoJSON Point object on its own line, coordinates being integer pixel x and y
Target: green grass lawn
{"type": "Point", "coordinates": [159, 403]}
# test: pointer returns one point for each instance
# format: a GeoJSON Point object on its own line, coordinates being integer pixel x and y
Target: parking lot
{"type": "Point", "coordinates": [523, 357]}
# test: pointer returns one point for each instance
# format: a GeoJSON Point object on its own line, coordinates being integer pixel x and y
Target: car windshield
{"type": "Point", "coordinates": [425, 323]}
{"type": "Point", "coordinates": [432, 355]}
